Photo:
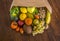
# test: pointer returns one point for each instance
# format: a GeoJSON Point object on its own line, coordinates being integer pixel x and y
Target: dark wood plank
{"type": "Point", "coordinates": [7, 34]}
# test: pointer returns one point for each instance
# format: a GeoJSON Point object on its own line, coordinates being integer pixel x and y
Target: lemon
{"type": "Point", "coordinates": [23, 10]}
{"type": "Point", "coordinates": [22, 16]}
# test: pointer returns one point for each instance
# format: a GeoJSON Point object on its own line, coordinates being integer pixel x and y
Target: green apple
{"type": "Point", "coordinates": [13, 16]}
{"type": "Point", "coordinates": [15, 10]}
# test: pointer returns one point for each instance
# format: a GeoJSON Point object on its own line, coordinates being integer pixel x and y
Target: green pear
{"type": "Point", "coordinates": [36, 21]}
{"type": "Point", "coordinates": [31, 9]}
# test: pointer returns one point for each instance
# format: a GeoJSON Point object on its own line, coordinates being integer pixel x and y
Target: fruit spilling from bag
{"type": "Point", "coordinates": [29, 20]}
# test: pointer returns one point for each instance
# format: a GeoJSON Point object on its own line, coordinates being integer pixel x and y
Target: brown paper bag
{"type": "Point", "coordinates": [34, 3]}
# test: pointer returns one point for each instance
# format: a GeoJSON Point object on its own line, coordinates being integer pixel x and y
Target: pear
{"type": "Point", "coordinates": [36, 21]}
{"type": "Point", "coordinates": [31, 9]}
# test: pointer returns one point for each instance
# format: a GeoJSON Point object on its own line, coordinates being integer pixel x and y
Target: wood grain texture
{"type": "Point", "coordinates": [7, 34]}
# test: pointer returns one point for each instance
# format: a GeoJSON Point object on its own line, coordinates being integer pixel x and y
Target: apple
{"type": "Point", "coordinates": [14, 17]}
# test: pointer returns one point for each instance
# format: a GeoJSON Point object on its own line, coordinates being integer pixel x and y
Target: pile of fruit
{"type": "Point", "coordinates": [29, 20]}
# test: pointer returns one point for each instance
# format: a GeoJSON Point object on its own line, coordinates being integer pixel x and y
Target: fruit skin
{"type": "Point", "coordinates": [36, 21]}
{"type": "Point", "coordinates": [14, 25]}
{"type": "Point", "coordinates": [22, 16]}
{"type": "Point", "coordinates": [46, 27]}
{"type": "Point", "coordinates": [23, 10]}
{"type": "Point", "coordinates": [37, 16]}
{"type": "Point", "coordinates": [36, 11]}
{"type": "Point", "coordinates": [30, 15]}
{"type": "Point", "coordinates": [48, 17]}
{"type": "Point", "coordinates": [27, 29]}
{"type": "Point", "coordinates": [17, 29]}
{"type": "Point", "coordinates": [41, 23]}
{"type": "Point", "coordinates": [14, 13]}
{"type": "Point", "coordinates": [14, 9]}
{"type": "Point", "coordinates": [30, 9]}
{"type": "Point", "coordinates": [28, 21]}
{"type": "Point", "coordinates": [21, 30]}
{"type": "Point", "coordinates": [38, 30]}
{"type": "Point", "coordinates": [14, 17]}
{"type": "Point", "coordinates": [20, 23]}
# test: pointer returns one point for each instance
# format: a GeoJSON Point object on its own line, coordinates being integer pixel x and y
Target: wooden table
{"type": "Point", "coordinates": [7, 34]}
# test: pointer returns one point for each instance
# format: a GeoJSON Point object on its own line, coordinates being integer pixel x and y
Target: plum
{"type": "Point", "coordinates": [20, 23]}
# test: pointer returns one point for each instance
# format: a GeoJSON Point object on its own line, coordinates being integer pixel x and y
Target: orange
{"type": "Point", "coordinates": [14, 25]}
{"type": "Point", "coordinates": [28, 21]}
{"type": "Point", "coordinates": [37, 16]}
{"type": "Point", "coordinates": [17, 29]}
{"type": "Point", "coordinates": [21, 30]}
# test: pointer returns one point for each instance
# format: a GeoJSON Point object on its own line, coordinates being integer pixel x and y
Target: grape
{"type": "Point", "coordinates": [39, 28]}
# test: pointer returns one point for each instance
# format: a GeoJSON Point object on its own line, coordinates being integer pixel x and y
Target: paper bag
{"type": "Point", "coordinates": [38, 25]}
{"type": "Point", "coordinates": [34, 3]}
